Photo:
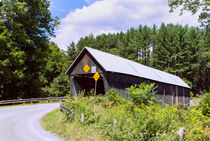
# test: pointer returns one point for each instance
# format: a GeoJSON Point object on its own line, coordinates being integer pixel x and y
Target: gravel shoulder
{"type": "Point", "coordinates": [21, 123]}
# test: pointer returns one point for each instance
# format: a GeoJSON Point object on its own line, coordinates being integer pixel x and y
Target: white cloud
{"type": "Point", "coordinates": [90, 1]}
{"type": "Point", "coordinates": [108, 16]}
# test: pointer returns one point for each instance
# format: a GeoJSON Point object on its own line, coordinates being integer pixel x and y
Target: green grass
{"type": "Point", "coordinates": [134, 121]}
{"type": "Point", "coordinates": [70, 131]}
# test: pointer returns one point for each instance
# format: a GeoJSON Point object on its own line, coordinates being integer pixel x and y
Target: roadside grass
{"type": "Point", "coordinates": [56, 122]}
{"type": "Point", "coordinates": [113, 118]}
{"type": "Point", "coordinates": [34, 103]}
{"type": "Point", "coordinates": [133, 122]}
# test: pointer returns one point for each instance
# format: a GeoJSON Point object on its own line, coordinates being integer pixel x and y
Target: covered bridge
{"type": "Point", "coordinates": [120, 73]}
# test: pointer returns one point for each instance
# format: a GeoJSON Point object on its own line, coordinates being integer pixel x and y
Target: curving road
{"type": "Point", "coordinates": [21, 123]}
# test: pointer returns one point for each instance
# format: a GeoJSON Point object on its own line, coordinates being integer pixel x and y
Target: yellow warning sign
{"type": "Point", "coordinates": [96, 76]}
{"type": "Point", "coordinates": [86, 68]}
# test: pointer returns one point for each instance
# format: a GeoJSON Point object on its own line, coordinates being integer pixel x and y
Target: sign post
{"type": "Point", "coordinates": [96, 77]}
{"type": "Point", "coordinates": [95, 88]}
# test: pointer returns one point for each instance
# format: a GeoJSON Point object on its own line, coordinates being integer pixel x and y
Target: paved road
{"type": "Point", "coordinates": [21, 123]}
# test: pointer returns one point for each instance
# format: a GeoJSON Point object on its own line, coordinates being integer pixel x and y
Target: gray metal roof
{"type": "Point", "coordinates": [118, 64]}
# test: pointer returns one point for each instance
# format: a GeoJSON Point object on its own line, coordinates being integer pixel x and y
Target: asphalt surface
{"type": "Point", "coordinates": [21, 123]}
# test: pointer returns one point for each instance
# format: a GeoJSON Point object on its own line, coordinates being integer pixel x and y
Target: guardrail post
{"type": "Point", "coordinates": [181, 134]}
{"type": "Point", "coordinates": [114, 124]}
{"type": "Point", "coordinates": [83, 117]}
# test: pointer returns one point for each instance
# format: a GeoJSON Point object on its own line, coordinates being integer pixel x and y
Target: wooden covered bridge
{"type": "Point", "coordinates": [120, 73]}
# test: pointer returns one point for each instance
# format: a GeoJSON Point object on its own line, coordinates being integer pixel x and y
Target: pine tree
{"type": "Point", "coordinates": [177, 49]}
{"type": "Point", "coordinates": [72, 53]}
{"type": "Point", "coordinates": [161, 51]}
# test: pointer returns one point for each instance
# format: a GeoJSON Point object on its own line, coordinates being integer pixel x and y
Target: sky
{"type": "Point", "coordinates": [79, 18]}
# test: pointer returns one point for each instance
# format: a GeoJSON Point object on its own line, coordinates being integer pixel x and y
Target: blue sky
{"type": "Point", "coordinates": [61, 8]}
{"type": "Point", "coordinates": [79, 18]}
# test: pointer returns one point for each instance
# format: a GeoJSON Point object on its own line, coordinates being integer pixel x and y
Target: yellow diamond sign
{"type": "Point", "coordinates": [86, 68]}
{"type": "Point", "coordinates": [96, 76]}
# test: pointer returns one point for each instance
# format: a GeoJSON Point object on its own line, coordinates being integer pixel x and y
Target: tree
{"type": "Point", "coordinates": [193, 6]}
{"type": "Point", "coordinates": [177, 49]}
{"type": "Point", "coordinates": [144, 45]}
{"type": "Point", "coordinates": [162, 51]}
{"type": "Point", "coordinates": [26, 27]}
{"type": "Point", "coordinates": [10, 58]}
{"type": "Point", "coordinates": [72, 53]}
{"type": "Point", "coordinates": [86, 41]}
{"type": "Point", "coordinates": [57, 83]}
{"type": "Point", "coordinates": [58, 87]}
{"type": "Point", "coordinates": [56, 63]}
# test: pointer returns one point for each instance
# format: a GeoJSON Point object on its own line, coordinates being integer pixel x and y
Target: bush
{"type": "Point", "coordinates": [205, 104]}
{"type": "Point", "coordinates": [114, 96]}
{"type": "Point", "coordinates": [142, 94]}
{"type": "Point", "coordinates": [58, 87]}
{"type": "Point", "coordinates": [76, 108]}
{"type": "Point", "coordinates": [134, 122]}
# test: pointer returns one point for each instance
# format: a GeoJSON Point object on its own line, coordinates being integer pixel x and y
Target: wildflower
{"type": "Point", "coordinates": [197, 95]}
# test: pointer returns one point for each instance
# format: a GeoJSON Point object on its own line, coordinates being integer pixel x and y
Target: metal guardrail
{"type": "Point", "coordinates": [29, 100]}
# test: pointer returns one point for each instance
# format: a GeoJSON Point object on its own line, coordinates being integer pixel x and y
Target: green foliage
{"type": "Point", "coordinates": [56, 62]}
{"type": "Point", "coordinates": [78, 107]}
{"type": "Point", "coordinates": [12, 64]}
{"type": "Point", "coordinates": [56, 82]}
{"type": "Point", "coordinates": [177, 49]}
{"type": "Point", "coordinates": [193, 7]}
{"type": "Point", "coordinates": [205, 104]}
{"type": "Point", "coordinates": [208, 56]}
{"type": "Point", "coordinates": [69, 131]}
{"type": "Point", "coordinates": [137, 122]}
{"type": "Point", "coordinates": [25, 30]}
{"type": "Point", "coordinates": [187, 82]}
{"type": "Point", "coordinates": [72, 53]}
{"type": "Point", "coordinates": [29, 62]}
{"type": "Point", "coordinates": [90, 93]}
{"type": "Point", "coordinates": [142, 94]}
{"type": "Point", "coordinates": [114, 95]}
{"type": "Point", "coordinates": [58, 87]}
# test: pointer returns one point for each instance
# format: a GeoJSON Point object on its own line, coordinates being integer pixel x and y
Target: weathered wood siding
{"type": "Point", "coordinates": [78, 83]}
{"type": "Point", "coordinates": [85, 60]}
{"type": "Point", "coordinates": [74, 86]}
{"type": "Point", "coordinates": [169, 94]}
{"type": "Point", "coordinates": [121, 82]}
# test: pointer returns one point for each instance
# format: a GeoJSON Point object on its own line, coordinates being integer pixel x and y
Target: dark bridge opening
{"type": "Point", "coordinates": [86, 82]}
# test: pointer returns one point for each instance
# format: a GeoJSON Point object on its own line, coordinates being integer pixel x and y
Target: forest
{"type": "Point", "coordinates": [33, 66]}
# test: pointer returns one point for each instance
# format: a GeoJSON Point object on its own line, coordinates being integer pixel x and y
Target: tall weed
{"type": "Point", "coordinates": [143, 94]}
{"type": "Point", "coordinates": [136, 120]}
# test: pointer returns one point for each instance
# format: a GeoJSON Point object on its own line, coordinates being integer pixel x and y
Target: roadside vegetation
{"type": "Point", "coordinates": [111, 117]}
{"type": "Point", "coordinates": [56, 122]}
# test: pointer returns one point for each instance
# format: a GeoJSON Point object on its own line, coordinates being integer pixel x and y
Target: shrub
{"type": "Point", "coordinates": [134, 122]}
{"type": "Point", "coordinates": [58, 87]}
{"type": "Point", "coordinates": [205, 104]}
{"type": "Point", "coordinates": [76, 108]}
{"type": "Point", "coordinates": [91, 92]}
{"type": "Point", "coordinates": [115, 96]}
{"type": "Point", "coordinates": [142, 94]}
